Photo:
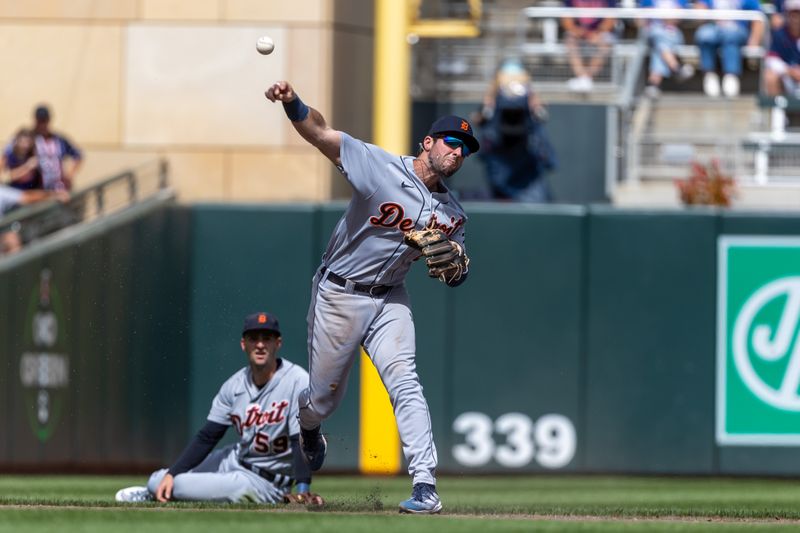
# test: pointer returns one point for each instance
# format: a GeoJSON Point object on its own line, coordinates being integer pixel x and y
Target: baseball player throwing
{"type": "Point", "coordinates": [260, 402]}
{"type": "Point", "coordinates": [400, 210]}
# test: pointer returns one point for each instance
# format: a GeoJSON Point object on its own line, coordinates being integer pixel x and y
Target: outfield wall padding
{"type": "Point", "coordinates": [585, 340]}
{"type": "Point", "coordinates": [94, 350]}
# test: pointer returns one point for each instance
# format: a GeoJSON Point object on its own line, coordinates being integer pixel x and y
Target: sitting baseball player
{"type": "Point", "coordinates": [260, 402]}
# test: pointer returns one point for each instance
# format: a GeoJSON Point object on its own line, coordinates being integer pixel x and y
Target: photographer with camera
{"type": "Point", "coordinates": [515, 148]}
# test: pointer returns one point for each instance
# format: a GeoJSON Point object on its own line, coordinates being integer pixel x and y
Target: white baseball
{"type": "Point", "coordinates": [265, 45]}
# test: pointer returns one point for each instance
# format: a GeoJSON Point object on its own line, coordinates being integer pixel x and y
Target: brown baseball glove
{"type": "Point", "coordinates": [304, 498]}
{"type": "Point", "coordinates": [444, 257]}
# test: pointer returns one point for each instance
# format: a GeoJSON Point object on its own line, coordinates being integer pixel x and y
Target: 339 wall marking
{"type": "Point", "coordinates": [514, 440]}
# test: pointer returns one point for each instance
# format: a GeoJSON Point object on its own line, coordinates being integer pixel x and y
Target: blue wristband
{"type": "Point", "coordinates": [296, 110]}
{"type": "Point", "coordinates": [303, 487]}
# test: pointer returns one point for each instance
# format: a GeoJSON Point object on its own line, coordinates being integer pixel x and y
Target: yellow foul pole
{"type": "Point", "coordinates": [379, 442]}
{"type": "Point", "coordinates": [392, 83]}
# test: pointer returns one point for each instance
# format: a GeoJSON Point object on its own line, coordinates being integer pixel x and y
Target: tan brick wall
{"type": "Point", "coordinates": [69, 10]}
{"type": "Point", "coordinates": [75, 68]}
{"type": "Point", "coordinates": [133, 80]}
{"type": "Point", "coordinates": [180, 10]}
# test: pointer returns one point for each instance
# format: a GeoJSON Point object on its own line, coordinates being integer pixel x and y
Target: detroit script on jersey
{"type": "Point", "coordinates": [392, 214]}
{"type": "Point", "coordinates": [388, 200]}
{"type": "Point", "coordinates": [264, 417]}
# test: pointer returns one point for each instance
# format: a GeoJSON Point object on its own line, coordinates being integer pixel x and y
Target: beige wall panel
{"type": "Point", "coordinates": [180, 9]}
{"type": "Point", "coordinates": [351, 86]}
{"type": "Point", "coordinates": [277, 11]}
{"type": "Point", "coordinates": [75, 68]}
{"type": "Point", "coordinates": [68, 9]}
{"type": "Point", "coordinates": [308, 69]}
{"type": "Point", "coordinates": [99, 164]}
{"type": "Point", "coordinates": [297, 176]}
{"type": "Point", "coordinates": [198, 176]}
{"type": "Point", "coordinates": [201, 86]}
{"type": "Point", "coordinates": [351, 89]}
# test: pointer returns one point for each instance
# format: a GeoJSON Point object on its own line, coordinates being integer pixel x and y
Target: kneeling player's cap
{"type": "Point", "coordinates": [791, 5]}
{"type": "Point", "coordinates": [457, 127]}
{"type": "Point", "coordinates": [261, 321]}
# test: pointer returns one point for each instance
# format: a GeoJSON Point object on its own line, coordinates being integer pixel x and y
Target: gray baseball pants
{"type": "Point", "coordinates": [220, 478]}
{"type": "Point", "coordinates": [339, 321]}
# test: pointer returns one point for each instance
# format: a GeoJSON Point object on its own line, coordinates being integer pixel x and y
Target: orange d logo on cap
{"type": "Point", "coordinates": [457, 127]}
{"type": "Point", "coordinates": [261, 321]}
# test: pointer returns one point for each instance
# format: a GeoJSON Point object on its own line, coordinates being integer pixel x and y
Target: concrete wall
{"type": "Point", "coordinates": [132, 80]}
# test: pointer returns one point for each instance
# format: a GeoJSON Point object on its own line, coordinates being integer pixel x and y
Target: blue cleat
{"type": "Point", "coordinates": [314, 447]}
{"type": "Point", "coordinates": [423, 500]}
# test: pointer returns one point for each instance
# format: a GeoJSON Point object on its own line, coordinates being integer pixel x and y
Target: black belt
{"type": "Point", "coordinates": [372, 290]}
{"type": "Point", "coordinates": [279, 480]}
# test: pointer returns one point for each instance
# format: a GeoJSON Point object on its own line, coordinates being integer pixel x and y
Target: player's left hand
{"type": "Point", "coordinates": [164, 490]}
{"type": "Point", "coordinates": [304, 498]}
{"type": "Point", "coordinates": [445, 258]}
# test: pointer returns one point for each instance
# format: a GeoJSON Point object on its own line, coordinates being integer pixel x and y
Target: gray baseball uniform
{"type": "Point", "coordinates": [367, 252]}
{"type": "Point", "coordinates": [264, 418]}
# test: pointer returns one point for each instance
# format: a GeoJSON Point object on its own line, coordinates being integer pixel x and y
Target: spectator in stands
{"type": "Point", "coordinates": [777, 17]}
{"type": "Point", "coordinates": [664, 37]}
{"type": "Point", "coordinates": [587, 36]}
{"type": "Point", "coordinates": [514, 146]}
{"type": "Point", "coordinates": [10, 242]}
{"type": "Point", "coordinates": [782, 66]}
{"type": "Point", "coordinates": [59, 160]}
{"type": "Point", "coordinates": [726, 37]}
{"type": "Point", "coordinates": [11, 198]}
{"type": "Point", "coordinates": [21, 162]}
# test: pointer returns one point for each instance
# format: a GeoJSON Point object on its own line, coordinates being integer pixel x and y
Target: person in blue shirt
{"type": "Point", "coordinates": [782, 65]}
{"type": "Point", "coordinates": [57, 158]}
{"type": "Point", "coordinates": [664, 36]}
{"type": "Point", "coordinates": [21, 162]}
{"type": "Point", "coordinates": [777, 18]}
{"type": "Point", "coordinates": [726, 38]}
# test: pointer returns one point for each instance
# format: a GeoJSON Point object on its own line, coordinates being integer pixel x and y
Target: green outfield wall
{"type": "Point", "coordinates": [586, 339]}
{"type": "Point", "coordinates": [94, 350]}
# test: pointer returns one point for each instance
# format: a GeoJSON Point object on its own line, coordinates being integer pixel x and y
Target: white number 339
{"type": "Point", "coordinates": [551, 441]}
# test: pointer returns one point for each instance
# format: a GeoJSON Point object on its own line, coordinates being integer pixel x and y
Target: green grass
{"type": "Point", "coordinates": [535, 503]}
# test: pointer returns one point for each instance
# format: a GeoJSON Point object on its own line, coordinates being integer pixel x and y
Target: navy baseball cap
{"type": "Point", "coordinates": [457, 127]}
{"type": "Point", "coordinates": [42, 113]}
{"type": "Point", "coordinates": [261, 321]}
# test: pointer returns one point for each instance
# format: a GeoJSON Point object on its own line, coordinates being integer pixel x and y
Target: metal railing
{"type": "Point", "coordinates": [96, 201]}
{"type": "Point", "coordinates": [775, 157]}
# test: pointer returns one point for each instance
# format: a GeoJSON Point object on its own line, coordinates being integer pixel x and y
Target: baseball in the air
{"type": "Point", "coordinates": [265, 45]}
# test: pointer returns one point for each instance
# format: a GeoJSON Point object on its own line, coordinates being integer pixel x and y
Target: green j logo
{"type": "Point", "coordinates": [770, 343]}
{"type": "Point", "coordinates": [758, 350]}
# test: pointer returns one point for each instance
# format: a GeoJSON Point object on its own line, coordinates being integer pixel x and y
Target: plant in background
{"type": "Point", "coordinates": [707, 185]}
